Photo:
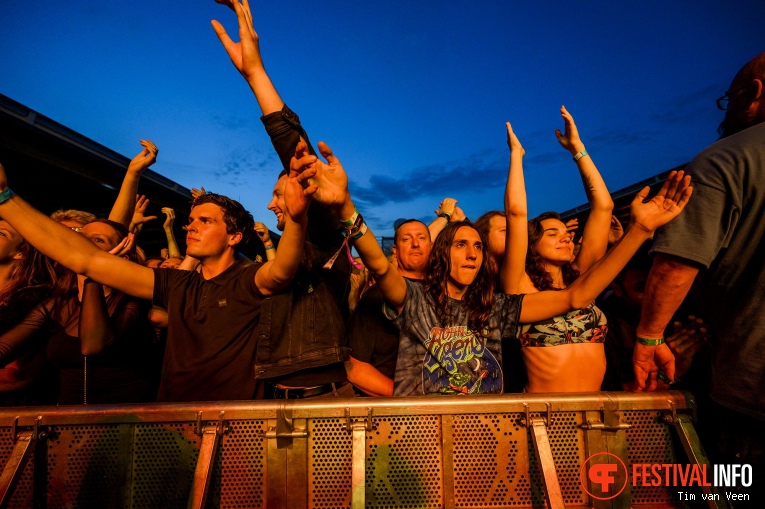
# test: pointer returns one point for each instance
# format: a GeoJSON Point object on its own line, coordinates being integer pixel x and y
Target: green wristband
{"type": "Point", "coordinates": [650, 342]}
{"type": "Point", "coordinates": [351, 220]}
{"type": "Point", "coordinates": [6, 194]}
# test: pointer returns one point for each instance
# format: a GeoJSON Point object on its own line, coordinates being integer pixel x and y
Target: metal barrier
{"type": "Point", "coordinates": [440, 452]}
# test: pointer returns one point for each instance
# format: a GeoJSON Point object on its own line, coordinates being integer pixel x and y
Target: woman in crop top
{"type": "Point", "coordinates": [564, 353]}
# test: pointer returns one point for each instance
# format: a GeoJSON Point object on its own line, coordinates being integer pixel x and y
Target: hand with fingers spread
{"type": "Point", "coordinates": [143, 159]}
{"type": "Point", "coordinates": [329, 179]}
{"type": "Point", "coordinates": [139, 217]}
{"type": "Point", "coordinates": [569, 138]}
{"type": "Point", "coordinates": [301, 187]}
{"type": "Point", "coordinates": [245, 54]}
{"type": "Point", "coordinates": [196, 193]}
{"type": "Point", "coordinates": [664, 206]}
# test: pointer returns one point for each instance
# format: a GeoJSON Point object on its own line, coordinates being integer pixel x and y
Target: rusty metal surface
{"type": "Point", "coordinates": [448, 452]}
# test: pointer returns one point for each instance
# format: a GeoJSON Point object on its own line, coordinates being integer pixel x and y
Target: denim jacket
{"type": "Point", "coordinates": [304, 326]}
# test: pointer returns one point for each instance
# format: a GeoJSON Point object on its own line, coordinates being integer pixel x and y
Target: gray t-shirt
{"type": "Point", "coordinates": [435, 358]}
{"type": "Point", "coordinates": [722, 230]}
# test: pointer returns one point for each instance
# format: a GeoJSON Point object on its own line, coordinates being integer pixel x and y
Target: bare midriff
{"type": "Point", "coordinates": [574, 367]}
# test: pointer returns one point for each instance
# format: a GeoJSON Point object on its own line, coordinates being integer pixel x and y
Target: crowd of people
{"type": "Point", "coordinates": [503, 304]}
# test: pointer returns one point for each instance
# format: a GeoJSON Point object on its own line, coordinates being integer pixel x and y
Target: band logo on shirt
{"type": "Point", "coordinates": [458, 362]}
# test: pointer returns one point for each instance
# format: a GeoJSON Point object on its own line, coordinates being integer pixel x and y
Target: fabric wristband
{"type": "Point", "coordinates": [650, 342]}
{"type": "Point", "coordinates": [358, 233]}
{"type": "Point", "coordinates": [445, 215]}
{"type": "Point", "coordinates": [348, 223]}
{"type": "Point", "coordinates": [6, 194]}
{"type": "Point", "coordinates": [271, 246]}
{"type": "Point", "coordinates": [581, 155]}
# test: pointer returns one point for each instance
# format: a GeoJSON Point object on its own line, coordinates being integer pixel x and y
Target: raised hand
{"type": "Point", "coordinates": [572, 225]}
{"type": "Point", "coordinates": [569, 138]}
{"type": "Point", "coordinates": [300, 187]}
{"type": "Point", "coordinates": [125, 246]}
{"type": "Point", "coordinates": [665, 206]}
{"type": "Point", "coordinates": [458, 215]}
{"type": "Point", "coordinates": [196, 193]}
{"type": "Point", "coordinates": [139, 219]}
{"type": "Point", "coordinates": [513, 142]}
{"type": "Point", "coordinates": [245, 55]}
{"type": "Point", "coordinates": [144, 159]}
{"type": "Point", "coordinates": [169, 217]}
{"type": "Point", "coordinates": [446, 206]}
{"type": "Point", "coordinates": [262, 231]}
{"type": "Point", "coordinates": [329, 178]}
{"type": "Point", "coordinates": [615, 230]}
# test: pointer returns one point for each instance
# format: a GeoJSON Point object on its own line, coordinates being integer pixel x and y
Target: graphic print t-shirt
{"type": "Point", "coordinates": [435, 358]}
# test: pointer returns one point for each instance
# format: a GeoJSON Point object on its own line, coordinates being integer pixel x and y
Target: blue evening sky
{"type": "Point", "coordinates": [412, 96]}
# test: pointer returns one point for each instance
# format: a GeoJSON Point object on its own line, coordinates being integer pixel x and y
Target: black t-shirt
{"type": "Point", "coordinates": [211, 333]}
{"type": "Point", "coordinates": [371, 335]}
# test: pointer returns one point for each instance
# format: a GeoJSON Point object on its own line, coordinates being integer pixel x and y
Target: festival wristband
{"type": "Point", "coordinates": [269, 247]}
{"type": "Point", "coordinates": [357, 234]}
{"type": "Point", "coordinates": [650, 342]}
{"type": "Point", "coordinates": [348, 223]}
{"type": "Point", "coordinates": [6, 194]}
{"type": "Point", "coordinates": [445, 215]}
{"type": "Point", "coordinates": [581, 155]}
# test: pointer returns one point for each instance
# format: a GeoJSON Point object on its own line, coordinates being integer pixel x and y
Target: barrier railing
{"type": "Point", "coordinates": [440, 452]}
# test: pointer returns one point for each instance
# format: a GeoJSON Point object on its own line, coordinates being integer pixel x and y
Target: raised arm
{"type": "Point", "coordinates": [122, 211]}
{"type": "Point", "coordinates": [647, 216]}
{"type": "Point", "coordinates": [595, 234]}
{"type": "Point", "coordinates": [139, 215]}
{"type": "Point", "coordinates": [333, 192]}
{"type": "Point", "coordinates": [71, 249]}
{"type": "Point", "coordinates": [513, 270]}
{"type": "Point", "coordinates": [98, 330]}
{"type": "Point", "coordinates": [265, 237]}
{"type": "Point", "coordinates": [445, 214]}
{"type": "Point", "coordinates": [245, 55]}
{"type": "Point", "coordinates": [276, 274]}
{"type": "Point", "coordinates": [173, 251]}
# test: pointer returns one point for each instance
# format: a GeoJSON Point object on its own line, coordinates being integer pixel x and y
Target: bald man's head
{"type": "Point", "coordinates": [744, 95]}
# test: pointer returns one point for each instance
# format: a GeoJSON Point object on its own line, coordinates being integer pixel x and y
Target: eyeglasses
{"type": "Point", "coordinates": [722, 102]}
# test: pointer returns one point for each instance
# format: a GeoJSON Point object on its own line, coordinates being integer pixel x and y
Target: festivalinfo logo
{"type": "Point", "coordinates": [604, 477]}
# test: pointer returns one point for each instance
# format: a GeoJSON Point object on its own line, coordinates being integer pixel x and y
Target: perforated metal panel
{"type": "Point", "coordinates": [486, 461]}
{"type": "Point", "coordinates": [164, 459]}
{"type": "Point", "coordinates": [567, 446]}
{"type": "Point", "coordinates": [404, 462]}
{"type": "Point", "coordinates": [85, 467]}
{"type": "Point", "coordinates": [649, 441]}
{"type": "Point", "coordinates": [240, 467]}
{"type": "Point", "coordinates": [329, 460]}
{"type": "Point", "coordinates": [22, 497]}
{"type": "Point", "coordinates": [421, 452]}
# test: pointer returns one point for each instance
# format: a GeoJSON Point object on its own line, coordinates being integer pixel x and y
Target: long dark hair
{"type": "Point", "coordinates": [535, 265]}
{"type": "Point", "coordinates": [480, 294]}
{"type": "Point", "coordinates": [32, 269]}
